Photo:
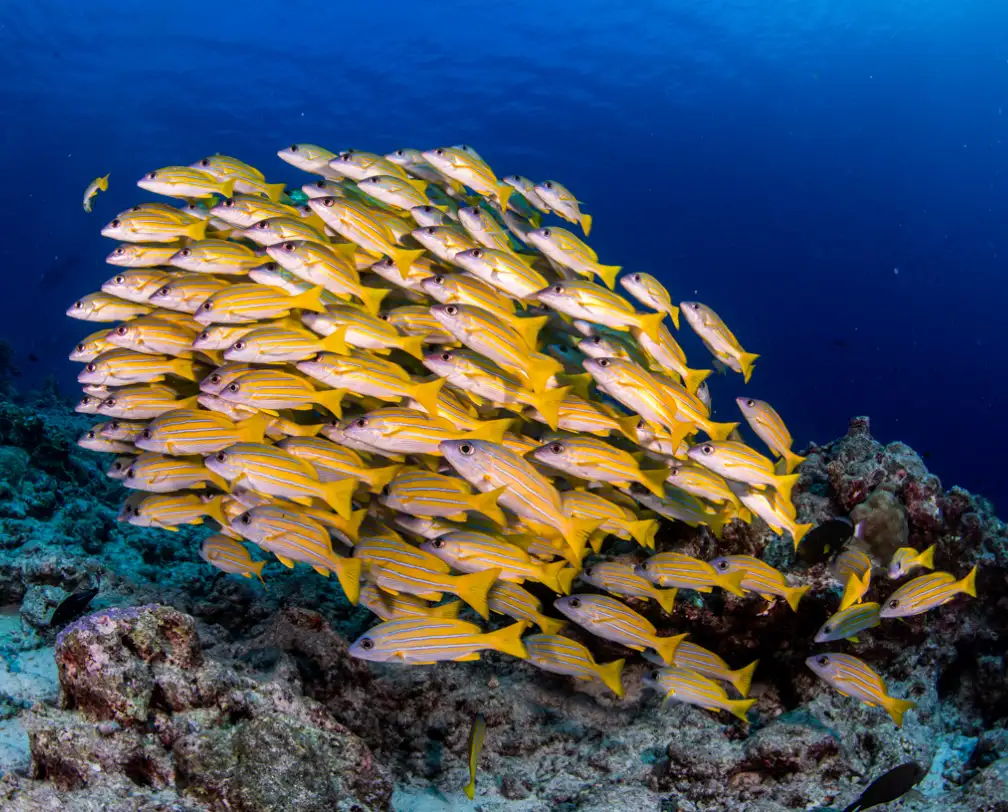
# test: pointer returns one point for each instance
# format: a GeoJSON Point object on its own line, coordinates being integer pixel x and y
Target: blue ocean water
{"type": "Point", "coordinates": [829, 176]}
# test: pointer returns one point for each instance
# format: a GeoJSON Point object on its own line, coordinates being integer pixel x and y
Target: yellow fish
{"type": "Point", "coordinates": [95, 186]}
{"type": "Point", "coordinates": [764, 420]}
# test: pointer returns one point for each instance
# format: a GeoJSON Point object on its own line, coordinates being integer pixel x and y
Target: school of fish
{"type": "Point", "coordinates": [406, 373]}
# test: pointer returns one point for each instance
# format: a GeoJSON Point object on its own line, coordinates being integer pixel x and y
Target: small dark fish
{"type": "Point", "coordinates": [889, 786]}
{"type": "Point", "coordinates": [824, 540]}
{"type": "Point", "coordinates": [475, 745]}
{"type": "Point", "coordinates": [72, 607]}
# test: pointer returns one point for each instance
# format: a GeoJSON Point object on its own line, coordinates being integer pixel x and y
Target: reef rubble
{"type": "Point", "coordinates": [184, 689]}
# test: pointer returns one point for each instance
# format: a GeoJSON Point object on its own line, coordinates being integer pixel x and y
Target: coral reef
{"type": "Point", "coordinates": [226, 695]}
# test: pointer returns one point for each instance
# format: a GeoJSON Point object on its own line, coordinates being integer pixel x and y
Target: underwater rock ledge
{"type": "Point", "coordinates": [207, 692]}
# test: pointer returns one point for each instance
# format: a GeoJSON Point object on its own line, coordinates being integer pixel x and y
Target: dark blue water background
{"type": "Point", "coordinates": [829, 176]}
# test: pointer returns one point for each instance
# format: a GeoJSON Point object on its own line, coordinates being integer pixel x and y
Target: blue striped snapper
{"type": "Point", "coordinates": [169, 510]}
{"type": "Point", "coordinates": [854, 677]}
{"type": "Point", "coordinates": [332, 461]}
{"type": "Point", "coordinates": [927, 592]}
{"type": "Point", "coordinates": [595, 460]}
{"type": "Point", "coordinates": [760, 577]}
{"type": "Point", "coordinates": [647, 290]}
{"type": "Point", "coordinates": [136, 284]}
{"type": "Point", "coordinates": [685, 572]}
{"type": "Point", "coordinates": [693, 688]}
{"type": "Point", "coordinates": [666, 354]}
{"type": "Point", "coordinates": [562, 201]}
{"type": "Point", "coordinates": [718, 338]}
{"type": "Point", "coordinates": [91, 346]}
{"type": "Point", "coordinates": [155, 334]}
{"type": "Point", "coordinates": [619, 578]}
{"type": "Point", "coordinates": [102, 307]}
{"type": "Point", "coordinates": [185, 182]}
{"type": "Point", "coordinates": [425, 640]}
{"type": "Point", "coordinates": [94, 441]}
{"type": "Point", "coordinates": [157, 473]}
{"type": "Point", "coordinates": [508, 272]}
{"type": "Point", "coordinates": [362, 330]}
{"type": "Point", "coordinates": [582, 299]}
{"type": "Point", "coordinates": [564, 248]}
{"type": "Point", "coordinates": [121, 367]}
{"type": "Point", "coordinates": [617, 520]}
{"type": "Point", "coordinates": [282, 344]}
{"type": "Point", "coordinates": [182, 432]}
{"type": "Point", "coordinates": [270, 389]}
{"type": "Point", "coordinates": [907, 559]}
{"type": "Point", "coordinates": [466, 167]}
{"type": "Point", "coordinates": [738, 462]}
{"type": "Point", "coordinates": [228, 555]}
{"type": "Point", "coordinates": [409, 431]}
{"type": "Point", "coordinates": [431, 585]}
{"type": "Point", "coordinates": [696, 658]}
{"type": "Point", "coordinates": [243, 303]}
{"type": "Point", "coordinates": [561, 655]}
{"type": "Point", "coordinates": [138, 255]}
{"type": "Point", "coordinates": [769, 427]}
{"type": "Point", "coordinates": [513, 600]}
{"type": "Point", "coordinates": [424, 493]}
{"type": "Point", "coordinates": [848, 623]}
{"type": "Point", "coordinates": [483, 228]}
{"type": "Point", "coordinates": [394, 607]}
{"type": "Point", "coordinates": [214, 256]}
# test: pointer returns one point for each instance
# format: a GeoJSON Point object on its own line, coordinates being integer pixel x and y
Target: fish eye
{"type": "Point", "coordinates": [400, 152]}
{"type": "Point", "coordinates": [558, 288]}
{"type": "Point", "coordinates": [636, 277]}
{"type": "Point", "coordinates": [232, 387]}
{"type": "Point", "coordinates": [120, 250]}
{"type": "Point", "coordinates": [385, 491]}
{"type": "Point", "coordinates": [431, 230]}
{"type": "Point", "coordinates": [827, 628]}
{"type": "Point", "coordinates": [446, 356]}
{"type": "Point", "coordinates": [655, 676]}
{"type": "Point", "coordinates": [588, 571]}
{"type": "Point", "coordinates": [707, 448]}
{"type": "Point", "coordinates": [117, 466]}
{"type": "Point", "coordinates": [207, 305]}
{"type": "Point", "coordinates": [546, 232]}
{"type": "Point", "coordinates": [329, 202]}
{"type": "Point", "coordinates": [131, 473]}
{"type": "Point", "coordinates": [596, 339]}
{"type": "Point", "coordinates": [116, 223]}
{"type": "Point", "coordinates": [438, 280]}
{"type": "Point", "coordinates": [556, 448]}
{"type": "Point", "coordinates": [894, 603]}
{"type": "Point", "coordinates": [164, 291]}
{"type": "Point", "coordinates": [221, 457]}
{"type": "Point", "coordinates": [90, 435]}
{"type": "Point", "coordinates": [548, 184]}
{"type": "Point", "coordinates": [574, 603]}
{"type": "Point", "coordinates": [466, 449]}
{"type": "Point", "coordinates": [119, 279]}
{"type": "Point", "coordinates": [204, 336]}
{"type": "Point", "coordinates": [262, 224]}
{"type": "Point", "coordinates": [823, 660]}
{"type": "Point", "coordinates": [108, 401]}
{"type": "Point", "coordinates": [289, 246]}
{"type": "Point", "coordinates": [439, 152]}
{"type": "Point", "coordinates": [750, 402]}
{"type": "Point", "coordinates": [438, 543]}
{"type": "Point", "coordinates": [246, 519]}
{"type": "Point", "coordinates": [293, 147]}
{"type": "Point", "coordinates": [367, 643]}
{"type": "Point", "coordinates": [239, 345]}
{"type": "Point", "coordinates": [146, 434]}
{"type": "Point", "coordinates": [91, 367]}
{"type": "Point", "coordinates": [640, 425]}
{"type": "Point", "coordinates": [81, 348]}
{"type": "Point", "coordinates": [476, 253]}
{"type": "Point", "coordinates": [186, 252]}
{"type": "Point", "coordinates": [215, 378]}
{"type": "Point", "coordinates": [78, 304]}
{"type": "Point", "coordinates": [205, 162]}
{"type": "Point", "coordinates": [360, 422]}
{"type": "Point", "coordinates": [722, 565]}
{"type": "Point", "coordinates": [151, 175]}
{"type": "Point", "coordinates": [451, 310]}
{"type": "Point", "coordinates": [320, 184]}
{"type": "Point", "coordinates": [229, 203]}
{"type": "Point", "coordinates": [603, 362]}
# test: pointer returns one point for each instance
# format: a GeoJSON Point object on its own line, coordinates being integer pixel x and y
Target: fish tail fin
{"type": "Point", "coordinates": [274, 191]}
{"type": "Point", "coordinates": [628, 426]}
{"type": "Point", "coordinates": [784, 484]}
{"type": "Point", "coordinates": [378, 478]}
{"type": "Point", "coordinates": [608, 274]}
{"type": "Point", "coordinates": [404, 258]}
{"type": "Point", "coordinates": [540, 369]}
{"type": "Point", "coordinates": [188, 403]}
{"type": "Point", "coordinates": [557, 576]}
{"type": "Point", "coordinates": [311, 299]}
{"type": "Point", "coordinates": [257, 568]}
{"type": "Point", "coordinates": [508, 640]}
{"type": "Point", "coordinates": [673, 313]}
{"type": "Point", "coordinates": [214, 508]}
{"type": "Point", "coordinates": [795, 594]}
{"type": "Point", "coordinates": [338, 494]}
{"type": "Point", "coordinates": [799, 531]}
{"type": "Point", "coordinates": [197, 230]}
{"type": "Point", "coordinates": [650, 324]}
{"type": "Point", "coordinates": [666, 647]}
{"type": "Point", "coordinates": [746, 361]}
{"type": "Point", "coordinates": [853, 590]}
{"type": "Point", "coordinates": [742, 678]}
{"type": "Point", "coordinates": [586, 224]}
{"type": "Point", "coordinates": [331, 399]}
{"type": "Point", "coordinates": [666, 599]}
{"type": "Point", "coordinates": [578, 534]}
{"type": "Point", "coordinates": [470, 789]}
{"type": "Point", "coordinates": [528, 329]}
{"type": "Point", "coordinates": [549, 625]}
{"type": "Point", "coordinates": [503, 193]}
{"type": "Point", "coordinates": [103, 183]}
{"type": "Point", "coordinates": [793, 460]}
{"type": "Point", "coordinates": [446, 610]}
{"type": "Point", "coordinates": [186, 369]}
{"type": "Point", "coordinates": [643, 531]}
{"type": "Point", "coordinates": [897, 707]}
{"type": "Point", "coordinates": [473, 589]}
{"type": "Point", "coordinates": [353, 524]}
{"type": "Point", "coordinates": [548, 404]}
{"type": "Point", "coordinates": [217, 481]}
{"type": "Point", "coordinates": [654, 480]}
{"type": "Point", "coordinates": [720, 431]}
{"type": "Point", "coordinates": [335, 342]}
{"type": "Point", "coordinates": [731, 582]}
{"type": "Point", "coordinates": [413, 345]}
{"type": "Point", "coordinates": [372, 298]}
{"type": "Point", "coordinates": [227, 187]}
{"type": "Point", "coordinates": [596, 540]}
{"type": "Point", "coordinates": [739, 707]}
{"type": "Point", "coordinates": [695, 377]}
{"type": "Point", "coordinates": [486, 503]}
{"type": "Point", "coordinates": [611, 675]}
{"type": "Point", "coordinates": [427, 394]}
{"type": "Point", "coordinates": [968, 584]}
{"type": "Point", "coordinates": [348, 573]}
{"type": "Point", "coordinates": [252, 429]}
{"type": "Point", "coordinates": [490, 430]}
{"type": "Point", "coordinates": [926, 558]}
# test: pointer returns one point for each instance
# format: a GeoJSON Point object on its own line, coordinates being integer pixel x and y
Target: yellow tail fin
{"type": "Point", "coordinates": [413, 345]}
{"type": "Point", "coordinates": [968, 584]}
{"type": "Point", "coordinates": [335, 342]}
{"type": "Point", "coordinates": [742, 678]}
{"type": "Point", "coordinates": [695, 377]}
{"type": "Point", "coordinates": [579, 530]}
{"type": "Point", "coordinates": [508, 640]}
{"type": "Point", "coordinates": [486, 503]}
{"type": "Point", "coordinates": [739, 707]}
{"type": "Point", "coordinates": [197, 230]}
{"type": "Point", "coordinates": [666, 598]}
{"type": "Point", "coordinates": [654, 481]}
{"type": "Point", "coordinates": [103, 182]}
{"type": "Point", "coordinates": [252, 429]}
{"type": "Point", "coordinates": [427, 394]}
{"type": "Point", "coordinates": [539, 369]}
{"type": "Point", "coordinates": [188, 403]}
{"type": "Point", "coordinates": [558, 576]}
{"type": "Point", "coordinates": [548, 404]}
{"type": "Point", "coordinates": [273, 191]}
{"type": "Point", "coordinates": [473, 589]}
{"type": "Point", "coordinates": [529, 329]}
{"type": "Point", "coordinates": [926, 558]}
{"type": "Point", "coordinates": [490, 430]}
{"type": "Point", "coordinates": [184, 369]}
{"type": "Point", "coordinates": [897, 707]}
{"type": "Point", "coordinates": [746, 361]}
{"type": "Point", "coordinates": [650, 324]}
{"type": "Point", "coordinates": [378, 478]}
{"type": "Point", "coordinates": [628, 426]}
{"type": "Point", "coordinates": [586, 224]}
{"type": "Point", "coordinates": [643, 531]}
{"type": "Point", "coordinates": [611, 675]}
{"type": "Point", "coordinates": [794, 595]}
{"type": "Point", "coordinates": [257, 568]}
{"type": "Point", "coordinates": [227, 187]}
{"type": "Point", "coordinates": [331, 399]}
{"type": "Point", "coordinates": [608, 274]}
{"type": "Point", "coordinates": [214, 508]}
{"type": "Point", "coordinates": [719, 431]}
{"type": "Point", "coordinates": [799, 531]}
{"type": "Point", "coordinates": [731, 582]}
{"type": "Point", "coordinates": [673, 313]}
{"type": "Point", "coordinates": [666, 646]}
{"type": "Point", "coordinates": [311, 299]}
{"type": "Point", "coordinates": [793, 460]}
{"type": "Point", "coordinates": [351, 527]}
{"type": "Point", "coordinates": [337, 495]}
{"type": "Point", "coordinates": [853, 590]}
{"type": "Point", "coordinates": [502, 194]}
{"type": "Point", "coordinates": [550, 625]}
{"type": "Point", "coordinates": [372, 298]}
{"type": "Point", "coordinates": [579, 384]}
{"type": "Point", "coordinates": [446, 610]}
{"type": "Point", "coordinates": [348, 571]}
{"type": "Point", "coordinates": [404, 258]}
{"type": "Point", "coordinates": [784, 484]}
{"type": "Point", "coordinates": [217, 481]}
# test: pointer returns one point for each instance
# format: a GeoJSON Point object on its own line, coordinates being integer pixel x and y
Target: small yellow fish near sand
{"type": "Point", "coordinates": [476, 736]}
{"type": "Point", "coordinates": [95, 186]}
